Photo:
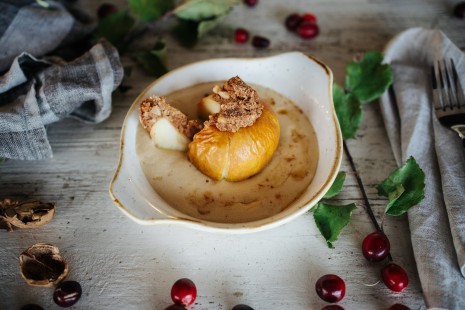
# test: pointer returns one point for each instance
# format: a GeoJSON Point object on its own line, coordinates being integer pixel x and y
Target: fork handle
{"type": "Point", "coordinates": [460, 130]}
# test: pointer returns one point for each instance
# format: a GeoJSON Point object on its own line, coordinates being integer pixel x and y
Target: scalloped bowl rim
{"type": "Point", "coordinates": [130, 190]}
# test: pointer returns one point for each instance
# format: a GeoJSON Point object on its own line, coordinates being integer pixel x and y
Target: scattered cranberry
{"type": "Point", "coordinates": [175, 307]}
{"type": "Point", "coordinates": [251, 2]}
{"type": "Point", "coordinates": [293, 21]}
{"type": "Point", "coordinates": [241, 307]}
{"type": "Point", "coordinates": [459, 10]}
{"type": "Point", "coordinates": [394, 277]}
{"type": "Point", "coordinates": [332, 307]}
{"type": "Point", "coordinates": [184, 292]}
{"type": "Point", "coordinates": [330, 288]}
{"type": "Point", "coordinates": [106, 9]}
{"type": "Point", "coordinates": [398, 307]}
{"type": "Point", "coordinates": [309, 18]}
{"type": "Point", "coordinates": [307, 30]}
{"type": "Point", "coordinates": [241, 35]}
{"type": "Point", "coordinates": [67, 293]}
{"type": "Point", "coordinates": [376, 246]}
{"type": "Point", "coordinates": [260, 42]}
{"type": "Point", "coordinates": [32, 307]}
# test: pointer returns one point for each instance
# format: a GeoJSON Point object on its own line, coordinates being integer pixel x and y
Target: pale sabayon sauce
{"type": "Point", "coordinates": [281, 182]}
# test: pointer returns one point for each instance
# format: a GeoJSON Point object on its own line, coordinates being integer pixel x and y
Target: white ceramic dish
{"type": "Point", "coordinates": [303, 79]}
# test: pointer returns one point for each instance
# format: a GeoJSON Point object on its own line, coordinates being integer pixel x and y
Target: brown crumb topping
{"type": "Point", "coordinates": [240, 106]}
{"type": "Point", "coordinates": [154, 108]}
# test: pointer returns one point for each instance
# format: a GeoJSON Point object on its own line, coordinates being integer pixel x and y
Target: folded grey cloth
{"type": "Point", "coordinates": [36, 92]}
{"type": "Point", "coordinates": [437, 225]}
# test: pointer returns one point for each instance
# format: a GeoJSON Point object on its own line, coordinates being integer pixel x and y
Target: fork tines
{"type": "Point", "coordinates": [447, 92]}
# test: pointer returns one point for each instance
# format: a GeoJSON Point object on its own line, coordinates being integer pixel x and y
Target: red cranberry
{"type": "Point", "coordinates": [330, 288]}
{"type": "Point", "coordinates": [241, 35]}
{"type": "Point", "coordinates": [241, 307]}
{"type": "Point", "coordinates": [394, 277]}
{"type": "Point", "coordinates": [67, 293]}
{"type": "Point", "coordinates": [250, 2]}
{"type": "Point", "coordinates": [32, 307]}
{"type": "Point", "coordinates": [398, 307]}
{"type": "Point", "coordinates": [459, 10]}
{"type": "Point", "coordinates": [376, 246]}
{"type": "Point", "coordinates": [308, 30]}
{"type": "Point", "coordinates": [175, 307]}
{"type": "Point", "coordinates": [332, 307]}
{"type": "Point", "coordinates": [293, 21]}
{"type": "Point", "coordinates": [106, 9]}
{"type": "Point", "coordinates": [309, 18]}
{"type": "Point", "coordinates": [184, 292]}
{"type": "Point", "coordinates": [260, 42]}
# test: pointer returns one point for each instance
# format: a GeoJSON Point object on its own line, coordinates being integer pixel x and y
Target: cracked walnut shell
{"type": "Point", "coordinates": [25, 214]}
{"type": "Point", "coordinates": [42, 265]}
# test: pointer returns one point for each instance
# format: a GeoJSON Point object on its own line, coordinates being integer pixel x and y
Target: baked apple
{"type": "Point", "coordinates": [239, 140]}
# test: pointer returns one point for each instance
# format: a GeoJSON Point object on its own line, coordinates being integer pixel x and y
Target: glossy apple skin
{"type": "Point", "coordinates": [236, 156]}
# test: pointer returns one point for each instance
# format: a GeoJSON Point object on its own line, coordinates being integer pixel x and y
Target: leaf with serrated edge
{"type": "Point", "coordinates": [336, 187]}
{"type": "Point", "coordinates": [394, 195]}
{"type": "Point", "coordinates": [348, 111]}
{"type": "Point", "coordinates": [369, 78]}
{"type": "Point", "coordinates": [198, 10]}
{"type": "Point", "coordinates": [331, 219]}
{"type": "Point", "coordinates": [150, 10]}
{"type": "Point", "coordinates": [411, 178]}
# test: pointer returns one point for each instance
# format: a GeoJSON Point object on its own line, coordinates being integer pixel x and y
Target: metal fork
{"type": "Point", "coordinates": [448, 97]}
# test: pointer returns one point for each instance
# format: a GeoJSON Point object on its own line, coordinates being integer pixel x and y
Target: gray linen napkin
{"type": "Point", "coordinates": [437, 225]}
{"type": "Point", "coordinates": [36, 92]}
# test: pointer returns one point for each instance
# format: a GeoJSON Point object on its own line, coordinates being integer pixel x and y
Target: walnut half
{"type": "Point", "coordinates": [42, 265]}
{"type": "Point", "coordinates": [25, 214]}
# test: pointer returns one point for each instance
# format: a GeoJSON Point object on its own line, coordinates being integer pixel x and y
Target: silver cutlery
{"type": "Point", "coordinates": [448, 97]}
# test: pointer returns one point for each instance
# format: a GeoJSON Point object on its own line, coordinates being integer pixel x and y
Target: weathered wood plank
{"type": "Point", "coordinates": [122, 265]}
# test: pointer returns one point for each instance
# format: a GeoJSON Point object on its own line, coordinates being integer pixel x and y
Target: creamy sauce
{"type": "Point", "coordinates": [269, 192]}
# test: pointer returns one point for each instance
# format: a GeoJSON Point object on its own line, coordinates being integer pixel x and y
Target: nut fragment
{"type": "Point", "coordinates": [25, 214]}
{"type": "Point", "coordinates": [240, 105]}
{"type": "Point", "coordinates": [42, 265]}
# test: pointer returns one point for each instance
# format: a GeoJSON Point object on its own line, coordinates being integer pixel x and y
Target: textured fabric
{"type": "Point", "coordinates": [36, 92]}
{"type": "Point", "coordinates": [437, 225]}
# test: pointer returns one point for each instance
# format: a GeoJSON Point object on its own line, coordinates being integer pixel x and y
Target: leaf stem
{"type": "Point", "coordinates": [362, 189]}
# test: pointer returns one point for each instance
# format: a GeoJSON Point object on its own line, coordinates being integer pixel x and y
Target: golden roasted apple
{"type": "Point", "coordinates": [239, 140]}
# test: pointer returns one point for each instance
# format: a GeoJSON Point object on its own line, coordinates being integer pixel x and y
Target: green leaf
{"type": "Point", "coordinates": [336, 187]}
{"type": "Point", "coordinates": [348, 111]}
{"type": "Point", "coordinates": [207, 25]}
{"type": "Point", "coordinates": [2, 160]}
{"type": "Point", "coordinates": [199, 10]}
{"type": "Point", "coordinates": [153, 61]}
{"type": "Point", "coordinates": [115, 27]}
{"type": "Point", "coordinates": [331, 219]}
{"type": "Point", "coordinates": [149, 10]}
{"type": "Point", "coordinates": [186, 32]}
{"type": "Point", "coordinates": [405, 188]}
{"type": "Point", "coordinates": [369, 78]}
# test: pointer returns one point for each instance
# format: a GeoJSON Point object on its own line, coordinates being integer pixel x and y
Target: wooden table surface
{"type": "Point", "coordinates": [123, 265]}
